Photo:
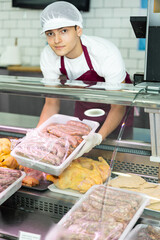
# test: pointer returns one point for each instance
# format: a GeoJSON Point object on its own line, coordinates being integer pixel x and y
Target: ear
{"type": "Point", "coordinates": [79, 31]}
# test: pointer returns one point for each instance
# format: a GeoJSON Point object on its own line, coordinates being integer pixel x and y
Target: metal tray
{"type": "Point", "coordinates": [43, 186]}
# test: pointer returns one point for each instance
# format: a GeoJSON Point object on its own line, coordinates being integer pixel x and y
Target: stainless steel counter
{"type": "Point", "coordinates": [13, 220]}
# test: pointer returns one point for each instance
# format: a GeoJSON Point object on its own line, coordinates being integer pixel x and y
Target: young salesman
{"type": "Point", "coordinates": [80, 57]}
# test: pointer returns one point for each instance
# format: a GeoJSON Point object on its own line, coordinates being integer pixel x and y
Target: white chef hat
{"type": "Point", "coordinates": [60, 14]}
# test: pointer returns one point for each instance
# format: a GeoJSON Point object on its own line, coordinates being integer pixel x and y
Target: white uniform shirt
{"type": "Point", "coordinates": [105, 57]}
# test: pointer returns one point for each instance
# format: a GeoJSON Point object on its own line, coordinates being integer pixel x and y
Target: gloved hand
{"type": "Point", "coordinates": [92, 140]}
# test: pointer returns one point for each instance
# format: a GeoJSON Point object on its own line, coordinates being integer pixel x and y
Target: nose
{"type": "Point", "coordinates": [57, 38]}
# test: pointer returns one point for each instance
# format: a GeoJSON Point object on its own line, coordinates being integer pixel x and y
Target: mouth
{"type": "Point", "coordinates": [59, 47]}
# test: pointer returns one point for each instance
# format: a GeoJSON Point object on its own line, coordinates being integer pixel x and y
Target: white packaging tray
{"type": "Point", "coordinates": [49, 168]}
{"type": "Point", "coordinates": [11, 189]}
{"type": "Point", "coordinates": [135, 231]}
{"type": "Point", "coordinates": [68, 192]}
{"type": "Point", "coordinates": [132, 222]}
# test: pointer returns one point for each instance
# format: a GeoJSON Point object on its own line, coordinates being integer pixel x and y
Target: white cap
{"type": "Point", "coordinates": [60, 14]}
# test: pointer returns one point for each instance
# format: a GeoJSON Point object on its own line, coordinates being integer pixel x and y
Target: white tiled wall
{"type": "Point", "coordinates": [106, 18]}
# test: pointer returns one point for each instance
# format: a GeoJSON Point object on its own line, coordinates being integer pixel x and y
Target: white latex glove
{"type": "Point", "coordinates": [92, 140]}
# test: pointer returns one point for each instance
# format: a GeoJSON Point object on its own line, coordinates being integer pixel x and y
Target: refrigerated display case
{"type": "Point", "coordinates": [133, 150]}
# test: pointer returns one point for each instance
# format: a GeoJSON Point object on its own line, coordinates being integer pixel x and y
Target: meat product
{"type": "Point", "coordinates": [2, 176]}
{"type": "Point", "coordinates": [47, 129]}
{"type": "Point", "coordinates": [60, 133]}
{"type": "Point", "coordinates": [102, 216]}
{"type": "Point", "coordinates": [54, 143]}
{"type": "Point", "coordinates": [73, 130]}
{"type": "Point", "coordinates": [56, 139]}
{"type": "Point", "coordinates": [149, 233]}
{"type": "Point", "coordinates": [78, 138]}
{"type": "Point", "coordinates": [79, 124]}
{"type": "Point", "coordinates": [7, 181]}
{"type": "Point", "coordinates": [49, 135]}
{"type": "Point", "coordinates": [52, 159]}
{"type": "Point", "coordinates": [89, 216]}
{"type": "Point", "coordinates": [111, 196]}
{"type": "Point", "coordinates": [60, 150]}
{"type": "Point", "coordinates": [143, 235]}
{"type": "Point", "coordinates": [53, 153]}
{"type": "Point", "coordinates": [87, 207]}
{"type": "Point", "coordinates": [10, 172]}
{"type": "Point", "coordinates": [7, 177]}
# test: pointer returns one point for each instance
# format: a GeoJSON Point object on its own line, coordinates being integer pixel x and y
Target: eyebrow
{"type": "Point", "coordinates": [56, 29]}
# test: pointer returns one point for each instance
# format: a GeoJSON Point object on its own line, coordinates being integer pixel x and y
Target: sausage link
{"type": "Point", "coordinates": [79, 124]}
{"type": "Point", "coordinates": [59, 133]}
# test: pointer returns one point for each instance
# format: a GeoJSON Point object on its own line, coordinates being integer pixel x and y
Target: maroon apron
{"type": "Point", "coordinates": [91, 78]}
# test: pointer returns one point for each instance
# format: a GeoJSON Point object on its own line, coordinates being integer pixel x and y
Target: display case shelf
{"type": "Point", "coordinates": [28, 86]}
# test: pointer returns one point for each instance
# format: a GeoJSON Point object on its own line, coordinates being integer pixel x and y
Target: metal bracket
{"type": "Point", "coordinates": [154, 118]}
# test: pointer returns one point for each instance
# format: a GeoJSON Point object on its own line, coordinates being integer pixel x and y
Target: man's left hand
{"type": "Point", "coordinates": [92, 140]}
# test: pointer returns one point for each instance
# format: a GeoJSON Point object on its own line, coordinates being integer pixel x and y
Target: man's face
{"type": "Point", "coordinates": [65, 41]}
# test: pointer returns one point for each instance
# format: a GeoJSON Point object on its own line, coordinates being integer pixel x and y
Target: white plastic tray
{"type": "Point", "coordinates": [11, 189]}
{"type": "Point", "coordinates": [67, 192]}
{"type": "Point", "coordinates": [135, 231]}
{"type": "Point", "coordinates": [132, 222]}
{"type": "Point", "coordinates": [49, 168]}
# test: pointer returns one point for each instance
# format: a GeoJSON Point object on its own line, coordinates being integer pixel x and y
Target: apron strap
{"type": "Point", "coordinates": [87, 57]}
{"type": "Point", "coordinates": [62, 69]}
{"type": "Point", "coordinates": [88, 60]}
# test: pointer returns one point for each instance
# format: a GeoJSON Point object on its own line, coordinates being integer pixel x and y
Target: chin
{"type": "Point", "coordinates": [59, 53]}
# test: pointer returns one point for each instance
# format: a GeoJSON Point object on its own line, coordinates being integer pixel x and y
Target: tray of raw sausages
{"type": "Point", "coordinates": [102, 213]}
{"type": "Point", "coordinates": [10, 182]}
{"type": "Point", "coordinates": [52, 146]}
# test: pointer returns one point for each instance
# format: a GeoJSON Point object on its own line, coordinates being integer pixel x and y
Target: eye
{"type": "Point", "coordinates": [49, 34]}
{"type": "Point", "coordinates": [64, 31]}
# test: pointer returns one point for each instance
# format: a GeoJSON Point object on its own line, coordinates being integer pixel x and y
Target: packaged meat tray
{"type": "Point", "coordinates": [52, 147]}
{"type": "Point", "coordinates": [14, 179]}
{"type": "Point", "coordinates": [103, 213]}
{"type": "Point", "coordinates": [144, 232]}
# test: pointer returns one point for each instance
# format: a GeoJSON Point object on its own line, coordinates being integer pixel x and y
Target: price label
{"type": "Point", "coordinates": [28, 236]}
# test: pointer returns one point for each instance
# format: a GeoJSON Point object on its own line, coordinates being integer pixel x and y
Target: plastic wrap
{"type": "Point", "coordinates": [39, 147]}
{"type": "Point", "coordinates": [103, 213]}
{"type": "Point", "coordinates": [51, 147]}
{"type": "Point", "coordinates": [144, 232]}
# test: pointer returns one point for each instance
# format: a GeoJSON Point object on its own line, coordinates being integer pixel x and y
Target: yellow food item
{"type": "Point", "coordinates": [82, 174]}
{"type": "Point", "coordinates": [8, 161]}
{"type": "Point", "coordinates": [50, 178]}
{"type": "Point", "coordinates": [5, 146]}
{"type": "Point", "coordinates": [101, 164]}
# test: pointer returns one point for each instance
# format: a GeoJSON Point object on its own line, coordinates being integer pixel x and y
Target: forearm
{"type": "Point", "coordinates": [112, 121]}
{"type": "Point", "coordinates": [51, 107]}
